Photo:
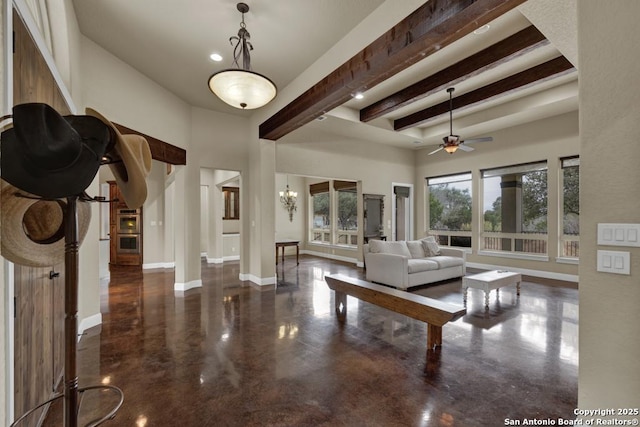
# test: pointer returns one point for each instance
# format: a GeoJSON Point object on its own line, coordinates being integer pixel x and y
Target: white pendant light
{"type": "Point", "coordinates": [241, 87]}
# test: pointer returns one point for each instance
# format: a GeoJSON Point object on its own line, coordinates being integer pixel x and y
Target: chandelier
{"type": "Point", "coordinates": [241, 87]}
{"type": "Point", "coordinates": [288, 199]}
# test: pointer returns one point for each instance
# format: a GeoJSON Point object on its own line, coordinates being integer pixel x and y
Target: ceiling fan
{"type": "Point", "coordinates": [453, 142]}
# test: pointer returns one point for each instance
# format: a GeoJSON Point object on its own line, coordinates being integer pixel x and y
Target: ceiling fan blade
{"type": "Point", "coordinates": [465, 148]}
{"type": "Point", "coordinates": [476, 140]}
{"type": "Point", "coordinates": [435, 151]}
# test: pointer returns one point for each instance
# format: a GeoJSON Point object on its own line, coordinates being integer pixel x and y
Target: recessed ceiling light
{"type": "Point", "coordinates": [215, 57]}
{"type": "Point", "coordinates": [482, 29]}
{"type": "Point", "coordinates": [358, 95]}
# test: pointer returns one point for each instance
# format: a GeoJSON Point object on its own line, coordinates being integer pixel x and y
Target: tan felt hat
{"type": "Point", "coordinates": [33, 228]}
{"type": "Point", "coordinates": [131, 163]}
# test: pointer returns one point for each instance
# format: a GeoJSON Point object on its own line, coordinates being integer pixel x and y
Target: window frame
{"type": "Point", "coordinates": [573, 240]}
{"type": "Point", "coordinates": [331, 235]}
{"type": "Point", "coordinates": [443, 236]}
{"type": "Point", "coordinates": [231, 196]}
{"type": "Point", "coordinates": [516, 241]}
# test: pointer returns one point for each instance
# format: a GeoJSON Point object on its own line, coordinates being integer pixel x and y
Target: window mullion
{"type": "Point", "coordinates": [333, 211]}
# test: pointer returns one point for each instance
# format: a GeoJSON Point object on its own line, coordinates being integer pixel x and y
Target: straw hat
{"type": "Point", "coordinates": [131, 172]}
{"type": "Point", "coordinates": [33, 229]}
{"type": "Point", "coordinates": [49, 155]}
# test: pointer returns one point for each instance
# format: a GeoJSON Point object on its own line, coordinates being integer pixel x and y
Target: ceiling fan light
{"type": "Point", "coordinates": [451, 148]}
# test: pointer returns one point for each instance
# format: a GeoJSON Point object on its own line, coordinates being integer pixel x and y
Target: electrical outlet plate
{"type": "Point", "coordinates": [619, 235]}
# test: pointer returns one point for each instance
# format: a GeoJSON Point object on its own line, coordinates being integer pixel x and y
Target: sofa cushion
{"type": "Point", "coordinates": [416, 249]}
{"type": "Point", "coordinates": [418, 265]}
{"type": "Point", "coordinates": [447, 261]}
{"type": "Point", "coordinates": [384, 247]}
{"type": "Point", "coordinates": [430, 246]}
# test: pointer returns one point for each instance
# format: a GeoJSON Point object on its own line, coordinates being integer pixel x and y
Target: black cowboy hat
{"type": "Point", "coordinates": [49, 155]}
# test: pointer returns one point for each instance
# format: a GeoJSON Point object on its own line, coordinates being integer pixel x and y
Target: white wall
{"type": "Point", "coordinates": [230, 247]}
{"type": "Point", "coordinates": [609, 182]}
{"type": "Point", "coordinates": [153, 213]}
{"type": "Point", "coordinates": [286, 229]}
{"type": "Point", "coordinates": [221, 140]}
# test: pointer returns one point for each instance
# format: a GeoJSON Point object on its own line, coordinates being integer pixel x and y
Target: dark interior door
{"type": "Point", "coordinates": [39, 299]}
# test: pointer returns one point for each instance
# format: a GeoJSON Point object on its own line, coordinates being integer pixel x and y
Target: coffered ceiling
{"type": "Point", "coordinates": [520, 70]}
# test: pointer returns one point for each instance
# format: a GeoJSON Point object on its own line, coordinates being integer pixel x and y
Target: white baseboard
{"type": "Point", "coordinates": [153, 265]}
{"type": "Point", "coordinates": [183, 287]}
{"type": "Point", "coordinates": [526, 271]}
{"type": "Point", "coordinates": [223, 259]}
{"type": "Point", "coordinates": [257, 280]}
{"type": "Point", "coordinates": [89, 322]}
{"type": "Point", "coordinates": [330, 256]}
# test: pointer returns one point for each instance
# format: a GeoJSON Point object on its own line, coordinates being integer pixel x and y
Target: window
{"type": "Point", "coordinates": [334, 216]}
{"type": "Point", "coordinates": [231, 202]}
{"type": "Point", "coordinates": [569, 236]}
{"type": "Point", "coordinates": [515, 208]}
{"type": "Point", "coordinates": [321, 218]}
{"type": "Point", "coordinates": [346, 212]}
{"type": "Point", "coordinates": [450, 209]}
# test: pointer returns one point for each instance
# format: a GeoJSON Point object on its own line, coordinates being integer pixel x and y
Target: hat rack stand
{"type": "Point", "coordinates": [72, 394]}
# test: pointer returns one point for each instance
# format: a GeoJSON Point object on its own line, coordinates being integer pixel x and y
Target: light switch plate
{"type": "Point", "coordinates": [614, 262]}
{"type": "Point", "coordinates": [619, 235]}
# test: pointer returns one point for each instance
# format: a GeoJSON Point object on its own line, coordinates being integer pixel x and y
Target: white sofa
{"type": "Point", "coordinates": [404, 264]}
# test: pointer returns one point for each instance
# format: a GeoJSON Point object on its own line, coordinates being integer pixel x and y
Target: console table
{"type": "Point", "coordinates": [283, 244]}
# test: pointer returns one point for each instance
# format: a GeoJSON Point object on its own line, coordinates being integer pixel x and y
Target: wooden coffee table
{"type": "Point", "coordinates": [488, 281]}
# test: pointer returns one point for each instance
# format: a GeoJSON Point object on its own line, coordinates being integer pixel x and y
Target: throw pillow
{"type": "Point", "coordinates": [375, 246]}
{"type": "Point", "coordinates": [416, 249]}
{"type": "Point", "coordinates": [430, 245]}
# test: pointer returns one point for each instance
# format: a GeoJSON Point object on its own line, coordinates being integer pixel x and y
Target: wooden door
{"type": "Point", "coordinates": [39, 335]}
{"type": "Point", "coordinates": [39, 299]}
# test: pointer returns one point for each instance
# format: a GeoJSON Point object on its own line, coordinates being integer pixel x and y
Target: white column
{"type": "Point", "coordinates": [187, 225]}
{"type": "Point", "coordinates": [261, 213]}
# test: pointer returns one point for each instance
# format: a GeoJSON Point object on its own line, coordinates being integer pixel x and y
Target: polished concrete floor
{"type": "Point", "coordinates": [231, 354]}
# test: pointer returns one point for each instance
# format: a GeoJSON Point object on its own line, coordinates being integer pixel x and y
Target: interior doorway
{"type": "Point", "coordinates": [220, 215]}
{"type": "Point", "coordinates": [402, 211]}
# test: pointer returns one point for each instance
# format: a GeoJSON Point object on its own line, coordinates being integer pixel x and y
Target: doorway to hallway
{"type": "Point", "coordinates": [402, 211]}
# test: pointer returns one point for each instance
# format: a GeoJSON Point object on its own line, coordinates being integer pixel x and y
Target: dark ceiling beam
{"type": "Point", "coordinates": [516, 45]}
{"type": "Point", "coordinates": [160, 150]}
{"type": "Point", "coordinates": [548, 70]}
{"type": "Point", "coordinates": [431, 27]}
